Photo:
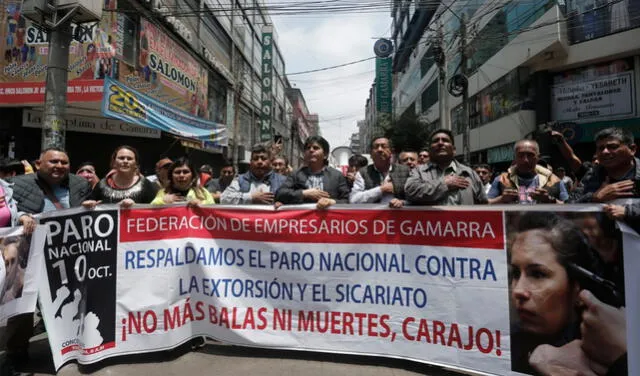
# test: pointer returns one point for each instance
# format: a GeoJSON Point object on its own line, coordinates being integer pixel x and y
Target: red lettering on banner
{"type": "Point", "coordinates": [233, 318]}
{"type": "Point", "coordinates": [418, 330]}
{"type": "Point", "coordinates": [88, 351]}
{"type": "Point", "coordinates": [465, 229]}
{"type": "Point", "coordinates": [33, 92]}
{"type": "Point", "coordinates": [368, 324]}
{"type": "Point", "coordinates": [435, 332]}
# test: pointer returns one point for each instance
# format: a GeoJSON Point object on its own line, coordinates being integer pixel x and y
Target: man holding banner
{"type": "Point", "coordinates": [51, 188]}
{"type": "Point", "coordinates": [258, 185]}
{"type": "Point", "coordinates": [617, 176]}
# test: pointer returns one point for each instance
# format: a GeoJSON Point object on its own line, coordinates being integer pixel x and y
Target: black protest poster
{"type": "Point", "coordinates": [80, 257]}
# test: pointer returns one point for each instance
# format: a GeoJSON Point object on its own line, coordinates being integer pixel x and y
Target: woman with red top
{"type": "Point", "coordinates": [123, 184]}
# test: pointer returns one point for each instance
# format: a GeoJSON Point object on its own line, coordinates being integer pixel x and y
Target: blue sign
{"type": "Point", "coordinates": [123, 103]}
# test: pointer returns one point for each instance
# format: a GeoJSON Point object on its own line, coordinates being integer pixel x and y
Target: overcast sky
{"type": "Point", "coordinates": [312, 42]}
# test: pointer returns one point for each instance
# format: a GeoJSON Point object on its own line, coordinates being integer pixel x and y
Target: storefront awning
{"type": "Point", "coordinates": [123, 103]}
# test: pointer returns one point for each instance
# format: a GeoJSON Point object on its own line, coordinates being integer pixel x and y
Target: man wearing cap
{"type": "Point", "coordinates": [162, 172]}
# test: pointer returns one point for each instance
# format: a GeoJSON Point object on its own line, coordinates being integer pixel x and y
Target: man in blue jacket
{"type": "Point", "coordinates": [256, 186]}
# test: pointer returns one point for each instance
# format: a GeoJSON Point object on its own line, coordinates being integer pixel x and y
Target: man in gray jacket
{"type": "Point", "coordinates": [444, 181]}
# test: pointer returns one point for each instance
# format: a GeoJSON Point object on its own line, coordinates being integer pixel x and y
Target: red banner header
{"type": "Point", "coordinates": [465, 229]}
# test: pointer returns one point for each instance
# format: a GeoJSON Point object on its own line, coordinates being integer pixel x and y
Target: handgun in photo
{"type": "Point", "coordinates": [601, 288]}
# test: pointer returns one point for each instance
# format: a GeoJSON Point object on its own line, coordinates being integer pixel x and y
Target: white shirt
{"type": "Point", "coordinates": [233, 196]}
{"type": "Point", "coordinates": [359, 195]}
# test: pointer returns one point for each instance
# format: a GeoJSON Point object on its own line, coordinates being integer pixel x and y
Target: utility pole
{"type": "Point", "coordinates": [441, 61]}
{"type": "Point", "coordinates": [56, 19]}
{"type": "Point", "coordinates": [238, 87]}
{"type": "Point", "coordinates": [465, 93]}
{"type": "Point", "coordinates": [55, 97]}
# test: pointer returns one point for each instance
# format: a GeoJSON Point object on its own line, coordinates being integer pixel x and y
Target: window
{"type": "Point", "coordinates": [257, 54]}
{"type": "Point", "coordinates": [430, 96]}
{"type": "Point", "coordinates": [503, 97]}
{"type": "Point", "coordinates": [426, 62]}
{"type": "Point", "coordinates": [591, 19]}
{"type": "Point", "coordinates": [215, 28]}
{"type": "Point", "coordinates": [217, 99]}
{"type": "Point", "coordinates": [520, 15]}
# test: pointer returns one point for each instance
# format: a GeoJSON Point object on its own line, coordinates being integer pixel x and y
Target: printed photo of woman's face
{"type": "Point", "coordinates": [11, 261]}
{"type": "Point", "coordinates": [541, 292]}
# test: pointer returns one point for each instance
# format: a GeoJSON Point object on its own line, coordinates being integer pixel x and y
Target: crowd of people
{"type": "Point", "coordinates": [431, 176]}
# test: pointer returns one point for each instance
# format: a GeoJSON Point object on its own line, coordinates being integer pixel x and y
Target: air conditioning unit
{"type": "Point", "coordinates": [87, 10]}
{"type": "Point", "coordinates": [37, 11]}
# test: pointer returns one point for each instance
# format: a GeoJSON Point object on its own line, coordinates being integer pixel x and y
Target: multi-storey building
{"type": "Point", "coordinates": [354, 143]}
{"type": "Point", "coordinates": [304, 124]}
{"type": "Point", "coordinates": [528, 63]}
{"type": "Point", "coordinates": [195, 56]}
{"type": "Point", "coordinates": [362, 135]}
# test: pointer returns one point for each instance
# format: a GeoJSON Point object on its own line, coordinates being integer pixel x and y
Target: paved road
{"type": "Point", "coordinates": [223, 360]}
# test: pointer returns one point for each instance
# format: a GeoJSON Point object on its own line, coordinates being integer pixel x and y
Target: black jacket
{"type": "Point", "coordinates": [30, 197]}
{"type": "Point", "coordinates": [334, 183]}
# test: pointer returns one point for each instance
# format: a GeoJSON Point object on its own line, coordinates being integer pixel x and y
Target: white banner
{"type": "Point", "coordinates": [427, 285]}
{"type": "Point", "coordinates": [20, 271]}
{"type": "Point", "coordinates": [606, 96]}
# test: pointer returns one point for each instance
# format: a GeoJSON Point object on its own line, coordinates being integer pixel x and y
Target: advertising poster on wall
{"type": "Point", "coordinates": [167, 72]}
{"type": "Point", "coordinates": [25, 49]}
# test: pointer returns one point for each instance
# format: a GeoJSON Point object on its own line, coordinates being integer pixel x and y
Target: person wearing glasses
{"type": "Point", "coordinates": [183, 186]}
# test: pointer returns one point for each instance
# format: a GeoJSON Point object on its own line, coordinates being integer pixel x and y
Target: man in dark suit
{"type": "Point", "coordinates": [381, 181]}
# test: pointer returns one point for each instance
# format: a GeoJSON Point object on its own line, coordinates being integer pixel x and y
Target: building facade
{"type": "Point", "coordinates": [528, 63]}
{"type": "Point", "coordinates": [304, 124]}
{"type": "Point", "coordinates": [354, 143]}
{"type": "Point", "coordinates": [204, 60]}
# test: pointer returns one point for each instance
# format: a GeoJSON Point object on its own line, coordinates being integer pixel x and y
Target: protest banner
{"type": "Point", "coordinates": [444, 287]}
{"type": "Point", "coordinates": [20, 270]}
